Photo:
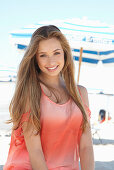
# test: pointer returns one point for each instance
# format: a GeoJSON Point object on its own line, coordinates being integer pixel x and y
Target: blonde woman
{"type": "Point", "coordinates": [50, 113]}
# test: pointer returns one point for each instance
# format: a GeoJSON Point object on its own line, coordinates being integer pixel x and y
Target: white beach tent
{"type": "Point", "coordinates": [91, 41]}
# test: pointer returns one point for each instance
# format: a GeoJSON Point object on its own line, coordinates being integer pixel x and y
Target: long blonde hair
{"type": "Point", "coordinates": [28, 90]}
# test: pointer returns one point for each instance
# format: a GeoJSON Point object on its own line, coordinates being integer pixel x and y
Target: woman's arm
{"type": "Point", "coordinates": [86, 151]}
{"type": "Point", "coordinates": [33, 144]}
{"type": "Point", "coordinates": [86, 145]}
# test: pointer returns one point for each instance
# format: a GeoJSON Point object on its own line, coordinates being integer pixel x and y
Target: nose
{"type": "Point", "coordinates": [51, 61]}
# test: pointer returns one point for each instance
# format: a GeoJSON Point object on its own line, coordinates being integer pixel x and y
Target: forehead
{"type": "Point", "coordinates": [51, 44]}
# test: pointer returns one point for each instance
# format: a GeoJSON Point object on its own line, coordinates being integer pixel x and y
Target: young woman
{"type": "Point", "coordinates": [50, 113]}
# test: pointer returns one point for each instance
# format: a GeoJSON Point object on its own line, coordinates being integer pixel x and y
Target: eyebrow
{"type": "Point", "coordinates": [53, 51]}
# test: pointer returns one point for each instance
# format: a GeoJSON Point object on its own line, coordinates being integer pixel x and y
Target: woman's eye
{"type": "Point", "coordinates": [43, 55]}
{"type": "Point", "coordinates": [57, 53]}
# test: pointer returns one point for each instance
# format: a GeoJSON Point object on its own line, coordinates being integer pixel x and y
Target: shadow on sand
{"type": "Point", "coordinates": [103, 141]}
{"type": "Point", "coordinates": [104, 165]}
{"type": "Point", "coordinates": [1, 167]}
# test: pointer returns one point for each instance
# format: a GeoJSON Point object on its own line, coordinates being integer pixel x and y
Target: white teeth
{"type": "Point", "coordinates": [52, 68]}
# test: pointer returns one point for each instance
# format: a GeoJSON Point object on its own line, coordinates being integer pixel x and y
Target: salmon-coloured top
{"type": "Point", "coordinates": [60, 136]}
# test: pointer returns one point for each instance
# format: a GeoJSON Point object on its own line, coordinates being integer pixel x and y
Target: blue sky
{"type": "Point", "coordinates": [15, 14]}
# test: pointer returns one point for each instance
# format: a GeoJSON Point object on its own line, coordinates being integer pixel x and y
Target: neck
{"type": "Point", "coordinates": [52, 81]}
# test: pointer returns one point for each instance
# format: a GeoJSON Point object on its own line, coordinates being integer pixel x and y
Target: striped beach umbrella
{"type": "Point", "coordinates": [90, 41]}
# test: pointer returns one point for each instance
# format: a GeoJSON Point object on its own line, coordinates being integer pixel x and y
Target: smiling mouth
{"type": "Point", "coordinates": [52, 68]}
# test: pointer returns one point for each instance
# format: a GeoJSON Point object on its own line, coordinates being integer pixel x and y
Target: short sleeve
{"type": "Point", "coordinates": [87, 110]}
{"type": "Point", "coordinates": [85, 106]}
{"type": "Point", "coordinates": [18, 138]}
{"type": "Point", "coordinates": [25, 117]}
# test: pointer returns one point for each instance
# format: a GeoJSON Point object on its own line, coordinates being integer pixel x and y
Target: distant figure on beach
{"type": "Point", "coordinates": [102, 116]}
{"type": "Point", "coordinates": [49, 111]}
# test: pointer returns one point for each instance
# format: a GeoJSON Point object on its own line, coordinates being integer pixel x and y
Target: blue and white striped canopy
{"type": "Point", "coordinates": [96, 38]}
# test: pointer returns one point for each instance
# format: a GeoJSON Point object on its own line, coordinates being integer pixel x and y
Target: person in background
{"type": "Point", "coordinates": [49, 111]}
{"type": "Point", "coordinates": [102, 116]}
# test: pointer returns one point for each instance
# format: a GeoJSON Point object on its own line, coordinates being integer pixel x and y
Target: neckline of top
{"type": "Point", "coordinates": [53, 101]}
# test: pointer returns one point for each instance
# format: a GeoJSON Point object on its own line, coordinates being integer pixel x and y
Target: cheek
{"type": "Point", "coordinates": [63, 60]}
{"type": "Point", "coordinates": [40, 62]}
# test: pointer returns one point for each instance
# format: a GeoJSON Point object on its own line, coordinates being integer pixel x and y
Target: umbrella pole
{"type": "Point", "coordinates": [80, 61]}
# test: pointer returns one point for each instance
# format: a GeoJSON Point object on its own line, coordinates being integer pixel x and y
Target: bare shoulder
{"type": "Point", "coordinates": [83, 90]}
{"type": "Point", "coordinates": [84, 94]}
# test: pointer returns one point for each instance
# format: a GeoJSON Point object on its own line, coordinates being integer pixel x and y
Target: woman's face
{"type": "Point", "coordinates": [50, 57]}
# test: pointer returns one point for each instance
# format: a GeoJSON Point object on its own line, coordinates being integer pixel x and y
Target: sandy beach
{"type": "Point", "coordinates": [103, 149]}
